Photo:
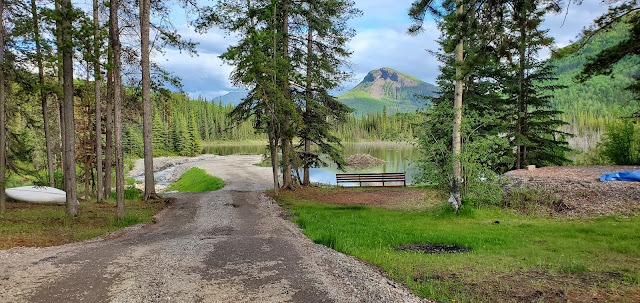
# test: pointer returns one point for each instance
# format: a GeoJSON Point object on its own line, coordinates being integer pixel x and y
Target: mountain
{"type": "Point", "coordinates": [390, 88]}
{"type": "Point", "coordinates": [233, 98]}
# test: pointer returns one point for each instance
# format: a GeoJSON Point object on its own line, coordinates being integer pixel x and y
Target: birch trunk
{"type": "Point", "coordinates": [455, 198]}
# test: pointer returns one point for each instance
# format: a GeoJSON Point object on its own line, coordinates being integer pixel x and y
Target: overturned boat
{"type": "Point", "coordinates": [37, 194]}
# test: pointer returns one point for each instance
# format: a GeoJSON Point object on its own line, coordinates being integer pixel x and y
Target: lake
{"type": "Point", "coordinates": [398, 157]}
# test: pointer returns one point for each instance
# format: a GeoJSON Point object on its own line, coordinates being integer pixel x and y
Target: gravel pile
{"type": "Point", "coordinates": [581, 189]}
{"type": "Point", "coordinates": [363, 161]}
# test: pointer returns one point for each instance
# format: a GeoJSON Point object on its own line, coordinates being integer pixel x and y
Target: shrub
{"type": "Point", "coordinates": [621, 142]}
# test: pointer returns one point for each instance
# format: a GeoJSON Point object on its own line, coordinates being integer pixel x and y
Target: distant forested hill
{"type": "Point", "coordinates": [591, 104]}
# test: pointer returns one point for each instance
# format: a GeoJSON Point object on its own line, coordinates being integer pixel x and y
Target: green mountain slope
{"type": "Point", "coordinates": [591, 104]}
{"type": "Point", "coordinates": [387, 87]}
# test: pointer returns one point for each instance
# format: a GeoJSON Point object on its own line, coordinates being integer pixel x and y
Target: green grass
{"type": "Point", "coordinates": [197, 179]}
{"type": "Point", "coordinates": [36, 225]}
{"type": "Point", "coordinates": [577, 255]}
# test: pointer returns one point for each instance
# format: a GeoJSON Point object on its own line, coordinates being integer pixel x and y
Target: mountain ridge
{"type": "Point", "coordinates": [387, 87]}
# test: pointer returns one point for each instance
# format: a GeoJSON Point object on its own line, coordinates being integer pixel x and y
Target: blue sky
{"type": "Point", "coordinates": [381, 41]}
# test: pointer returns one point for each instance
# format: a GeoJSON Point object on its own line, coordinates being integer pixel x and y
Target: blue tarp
{"type": "Point", "coordinates": [622, 176]}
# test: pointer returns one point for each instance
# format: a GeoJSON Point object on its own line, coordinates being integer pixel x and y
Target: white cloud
{"type": "Point", "coordinates": [381, 41]}
{"type": "Point", "coordinates": [394, 48]}
{"type": "Point", "coordinates": [206, 72]}
{"type": "Point", "coordinates": [209, 95]}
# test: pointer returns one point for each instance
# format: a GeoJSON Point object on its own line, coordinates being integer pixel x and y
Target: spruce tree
{"type": "Point", "coordinates": [534, 132]}
{"type": "Point", "coordinates": [323, 56]}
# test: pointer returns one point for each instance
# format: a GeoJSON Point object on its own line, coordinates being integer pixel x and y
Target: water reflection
{"type": "Point", "coordinates": [397, 157]}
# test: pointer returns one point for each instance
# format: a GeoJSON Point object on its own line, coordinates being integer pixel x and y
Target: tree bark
{"type": "Point", "coordinates": [520, 158]}
{"type": "Point", "coordinates": [43, 95]}
{"type": "Point", "coordinates": [69, 142]}
{"type": "Point", "coordinates": [455, 198]}
{"type": "Point", "coordinates": [307, 140]}
{"type": "Point", "coordinates": [287, 178]}
{"type": "Point", "coordinates": [3, 135]}
{"type": "Point", "coordinates": [273, 148]}
{"type": "Point", "coordinates": [60, 85]}
{"type": "Point", "coordinates": [114, 34]}
{"type": "Point", "coordinates": [97, 92]}
{"type": "Point", "coordinates": [108, 151]}
{"type": "Point", "coordinates": [149, 182]}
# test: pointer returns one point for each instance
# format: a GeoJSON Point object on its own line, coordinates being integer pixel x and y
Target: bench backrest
{"type": "Point", "coordinates": [371, 177]}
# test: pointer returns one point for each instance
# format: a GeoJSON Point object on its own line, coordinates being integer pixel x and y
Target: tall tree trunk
{"type": "Point", "coordinates": [97, 92]}
{"type": "Point", "coordinates": [273, 148]}
{"type": "Point", "coordinates": [287, 149]}
{"type": "Point", "coordinates": [287, 176]}
{"type": "Point", "coordinates": [307, 140]}
{"type": "Point", "coordinates": [108, 150]}
{"type": "Point", "coordinates": [149, 182]}
{"type": "Point", "coordinates": [114, 34]}
{"type": "Point", "coordinates": [60, 85]}
{"type": "Point", "coordinates": [43, 95]}
{"type": "Point", "coordinates": [69, 142]}
{"type": "Point", "coordinates": [3, 135]}
{"type": "Point", "coordinates": [455, 198]}
{"type": "Point", "coordinates": [520, 150]}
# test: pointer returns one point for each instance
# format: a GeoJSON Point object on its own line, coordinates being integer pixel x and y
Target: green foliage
{"type": "Point", "coordinates": [49, 225]}
{"type": "Point", "coordinates": [132, 193]}
{"type": "Point", "coordinates": [602, 98]}
{"type": "Point", "coordinates": [197, 179]}
{"type": "Point", "coordinates": [621, 142]}
{"type": "Point", "coordinates": [516, 244]}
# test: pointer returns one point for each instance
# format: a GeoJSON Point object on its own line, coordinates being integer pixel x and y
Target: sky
{"type": "Point", "coordinates": [381, 41]}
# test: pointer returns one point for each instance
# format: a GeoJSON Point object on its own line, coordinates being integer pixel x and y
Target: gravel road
{"type": "Point", "coordinates": [226, 246]}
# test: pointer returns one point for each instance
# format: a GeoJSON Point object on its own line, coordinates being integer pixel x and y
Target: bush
{"type": "Point", "coordinates": [621, 142]}
{"type": "Point", "coordinates": [132, 193]}
{"type": "Point", "coordinates": [479, 160]}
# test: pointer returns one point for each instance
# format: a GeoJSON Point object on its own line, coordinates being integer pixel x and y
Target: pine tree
{"type": "Point", "coordinates": [325, 53]}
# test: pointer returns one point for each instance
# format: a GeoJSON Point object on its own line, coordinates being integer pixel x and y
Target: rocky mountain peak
{"type": "Point", "coordinates": [383, 75]}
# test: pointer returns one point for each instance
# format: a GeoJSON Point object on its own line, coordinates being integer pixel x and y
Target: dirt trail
{"type": "Point", "coordinates": [224, 246]}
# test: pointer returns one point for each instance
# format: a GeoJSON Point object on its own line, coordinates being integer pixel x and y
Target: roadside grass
{"type": "Point", "coordinates": [515, 257]}
{"type": "Point", "coordinates": [197, 179]}
{"type": "Point", "coordinates": [36, 225]}
{"type": "Point", "coordinates": [266, 162]}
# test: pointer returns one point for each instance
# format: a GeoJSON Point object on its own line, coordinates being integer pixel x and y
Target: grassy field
{"type": "Point", "coordinates": [35, 225]}
{"type": "Point", "coordinates": [514, 258]}
{"type": "Point", "coordinates": [197, 179]}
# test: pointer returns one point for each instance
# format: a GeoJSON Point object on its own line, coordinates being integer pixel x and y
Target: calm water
{"type": "Point", "coordinates": [397, 157]}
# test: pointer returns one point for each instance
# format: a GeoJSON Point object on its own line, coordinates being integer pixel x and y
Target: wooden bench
{"type": "Point", "coordinates": [373, 178]}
